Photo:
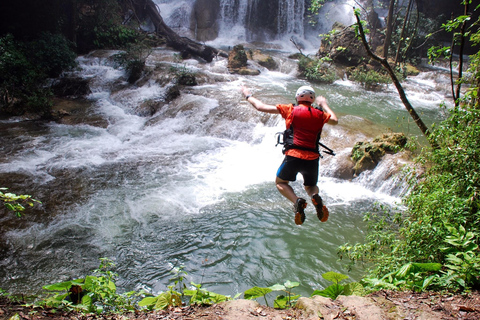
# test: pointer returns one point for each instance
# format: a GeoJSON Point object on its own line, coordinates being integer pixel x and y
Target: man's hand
{"type": "Point", "coordinates": [321, 101]}
{"type": "Point", "coordinates": [245, 91]}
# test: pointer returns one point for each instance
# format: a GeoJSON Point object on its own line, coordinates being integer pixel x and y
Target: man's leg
{"type": "Point", "coordinates": [286, 189]}
{"type": "Point", "coordinates": [322, 211]}
{"type": "Point", "coordinates": [299, 204]}
{"type": "Point", "coordinates": [311, 190]}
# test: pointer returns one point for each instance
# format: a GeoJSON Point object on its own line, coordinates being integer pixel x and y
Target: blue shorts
{"type": "Point", "coordinates": [291, 166]}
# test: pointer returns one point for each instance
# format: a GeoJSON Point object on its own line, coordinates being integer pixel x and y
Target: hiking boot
{"type": "Point", "coordinates": [299, 207]}
{"type": "Point", "coordinates": [322, 211]}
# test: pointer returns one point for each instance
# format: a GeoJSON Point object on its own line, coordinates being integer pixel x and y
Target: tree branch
{"type": "Point", "coordinates": [393, 76]}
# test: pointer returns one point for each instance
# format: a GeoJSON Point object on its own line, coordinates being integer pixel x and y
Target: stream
{"type": "Point", "coordinates": [193, 185]}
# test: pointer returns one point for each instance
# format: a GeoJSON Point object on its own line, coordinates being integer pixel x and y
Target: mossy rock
{"type": "Point", "coordinates": [412, 70]}
{"type": "Point", "coordinates": [237, 58]}
{"type": "Point", "coordinates": [248, 72]}
{"type": "Point", "coordinates": [264, 60]}
{"type": "Point", "coordinates": [368, 154]}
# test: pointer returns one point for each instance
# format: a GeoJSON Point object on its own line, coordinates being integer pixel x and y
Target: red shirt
{"type": "Point", "coordinates": [311, 124]}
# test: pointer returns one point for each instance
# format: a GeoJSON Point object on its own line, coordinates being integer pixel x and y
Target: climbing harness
{"type": "Point", "coordinates": [285, 138]}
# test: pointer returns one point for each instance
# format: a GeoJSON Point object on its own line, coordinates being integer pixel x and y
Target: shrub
{"type": "Point", "coordinates": [24, 69]}
{"type": "Point", "coordinates": [316, 70]}
{"type": "Point", "coordinates": [369, 78]}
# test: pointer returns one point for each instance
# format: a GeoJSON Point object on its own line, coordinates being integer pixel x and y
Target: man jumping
{"type": "Point", "coordinates": [304, 126]}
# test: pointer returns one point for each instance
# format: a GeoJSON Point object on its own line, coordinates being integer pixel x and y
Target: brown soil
{"type": "Point", "coordinates": [380, 305]}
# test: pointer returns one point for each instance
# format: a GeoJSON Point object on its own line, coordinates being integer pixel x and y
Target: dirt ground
{"type": "Point", "coordinates": [381, 305]}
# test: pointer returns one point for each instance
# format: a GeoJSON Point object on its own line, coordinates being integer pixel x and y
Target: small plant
{"type": "Point", "coordinates": [184, 76]}
{"type": "Point", "coordinates": [282, 301]}
{"type": "Point", "coordinates": [15, 202]}
{"type": "Point", "coordinates": [173, 297]}
{"type": "Point", "coordinates": [370, 78]}
{"type": "Point", "coordinates": [170, 298]}
{"type": "Point", "coordinates": [133, 60]}
{"type": "Point", "coordinates": [203, 297]}
{"type": "Point", "coordinates": [317, 70]}
{"type": "Point", "coordinates": [336, 289]}
{"type": "Point", "coordinates": [162, 301]}
{"type": "Point", "coordinates": [257, 292]}
{"type": "Point", "coordinates": [411, 276]}
{"type": "Point", "coordinates": [94, 293]}
{"type": "Point", "coordinates": [462, 260]}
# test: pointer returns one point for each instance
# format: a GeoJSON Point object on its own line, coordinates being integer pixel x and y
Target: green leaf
{"type": "Point", "coordinates": [87, 301]}
{"type": "Point", "coordinates": [256, 292]}
{"type": "Point", "coordinates": [163, 301]}
{"type": "Point", "coordinates": [289, 284]}
{"type": "Point", "coordinates": [428, 266]}
{"type": "Point", "coordinates": [189, 292]}
{"type": "Point", "coordinates": [354, 289]}
{"type": "Point", "coordinates": [148, 302]}
{"type": "Point", "coordinates": [334, 291]}
{"type": "Point", "coordinates": [280, 302]}
{"type": "Point", "coordinates": [334, 276]}
{"type": "Point", "coordinates": [277, 287]}
{"type": "Point", "coordinates": [427, 282]}
{"type": "Point", "coordinates": [404, 270]}
{"type": "Point", "coordinates": [63, 286]}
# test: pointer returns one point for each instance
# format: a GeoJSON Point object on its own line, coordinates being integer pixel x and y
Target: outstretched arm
{"type": "Point", "coordinates": [321, 101]}
{"type": "Point", "coordinates": [257, 104]}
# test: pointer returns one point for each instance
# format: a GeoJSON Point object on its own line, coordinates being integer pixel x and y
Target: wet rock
{"type": "Point", "coordinates": [368, 154]}
{"type": "Point", "coordinates": [264, 60]}
{"type": "Point", "coordinates": [135, 71]}
{"type": "Point", "coordinates": [237, 58]}
{"type": "Point", "coordinates": [76, 111]}
{"type": "Point", "coordinates": [248, 72]}
{"type": "Point", "coordinates": [149, 107]}
{"type": "Point", "coordinates": [237, 62]}
{"type": "Point", "coordinates": [71, 87]}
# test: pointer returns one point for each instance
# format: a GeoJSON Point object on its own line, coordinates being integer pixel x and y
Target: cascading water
{"type": "Point", "coordinates": [191, 185]}
{"type": "Point", "coordinates": [254, 20]}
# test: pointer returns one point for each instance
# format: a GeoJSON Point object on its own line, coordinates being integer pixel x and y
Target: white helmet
{"type": "Point", "coordinates": [305, 93]}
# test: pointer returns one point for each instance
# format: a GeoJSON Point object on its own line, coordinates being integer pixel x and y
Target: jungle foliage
{"type": "Point", "coordinates": [40, 40]}
{"type": "Point", "coordinates": [433, 243]}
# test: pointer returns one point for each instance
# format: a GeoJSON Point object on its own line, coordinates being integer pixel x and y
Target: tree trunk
{"type": "Point", "coordinates": [402, 34]}
{"type": "Point", "coordinates": [187, 47]}
{"type": "Point", "coordinates": [460, 57]}
{"type": "Point", "coordinates": [390, 24]}
{"type": "Point", "coordinates": [401, 92]}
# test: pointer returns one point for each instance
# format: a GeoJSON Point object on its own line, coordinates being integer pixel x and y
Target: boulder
{"type": "Point", "coordinates": [264, 60]}
{"type": "Point", "coordinates": [75, 87]}
{"type": "Point", "coordinates": [237, 62]}
{"type": "Point", "coordinates": [368, 154]}
{"type": "Point", "coordinates": [237, 58]}
{"type": "Point", "coordinates": [343, 47]}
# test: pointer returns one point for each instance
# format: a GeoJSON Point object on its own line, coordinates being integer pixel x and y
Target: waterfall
{"type": "Point", "coordinates": [288, 17]}
{"type": "Point", "coordinates": [255, 20]}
